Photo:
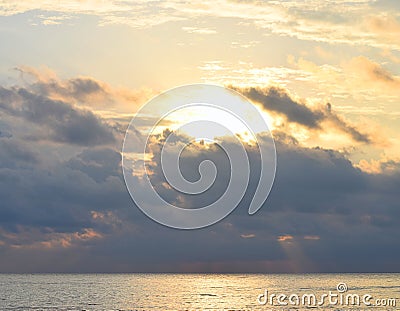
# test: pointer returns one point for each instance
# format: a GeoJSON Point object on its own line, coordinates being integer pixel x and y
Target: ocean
{"type": "Point", "coordinates": [349, 292]}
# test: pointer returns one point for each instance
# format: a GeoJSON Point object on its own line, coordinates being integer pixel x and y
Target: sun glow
{"type": "Point", "coordinates": [231, 124]}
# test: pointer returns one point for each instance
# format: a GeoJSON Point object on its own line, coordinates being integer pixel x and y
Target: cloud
{"type": "Point", "coordinates": [358, 82]}
{"type": "Point", "coordinates": [64, 122]}
{"type": "Point", "coordinates": [134, 13]}
{"type": "Point", "coordinates": [49, 239]}
{"type": "Point", "coordinates": [98, 164]}
{"type": "Point", "coordinates": [319, 195]}
{"type": "Point", "coordinates": [364, 23]}
{"type": "Point", "coordinates": [373, 73]}
{"type": "Point", "coordinates": [320, 203]}
{"type": "Point", "coordinates": [5, 134]}
{"type": "Point", "coordinates": [248, 236]}
{"type": "Point", "coordinates": [15, 154]}
{"type": "Point", "coordinates": [356, 76]}
{"type": "Point", "coordinates": [245, 74]}
{"type": "Point", "coordinates": [312, 237]}
{"type": "Point", "coordinates": [278, 101]}
{"type": "Point", "coordinates": [201, 31]}
{"type": "Point", "coordinates": [5, 130]}
{"type": "Point", "coordinates": [384, 165]}
{"type": "Point", "coordinates": [285, 238]}
{"type": "Point", "coordinates": [65, 208]}
{"type": "Point", "coordinates": [60, 195]}
{"type": "Point", "coordinates": [385, 24]}
{"type": "Point", "coordinates": [82, 91]}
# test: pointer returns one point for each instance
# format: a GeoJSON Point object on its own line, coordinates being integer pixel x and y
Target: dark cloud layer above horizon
{"type": "Point", "coordinates": [64, 206]}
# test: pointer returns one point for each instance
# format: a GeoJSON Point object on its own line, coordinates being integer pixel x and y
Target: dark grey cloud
{"type": "Point", "coordinates": [4, 133]}
{"type": "Point", "coordinates": [278, 100]}
{"type": "Point", "coordinates": [64, 122]}
{"type": "Point", "coordinates": [13, 154]}
{"type": "Point", "coordinates": [64, 207]}
{"type": "Point", "coordinates": [318, 193]}
{"type": "Point", "coordinates": [62, 195]}
{"type": "Point", "coordinates": [308, 180]}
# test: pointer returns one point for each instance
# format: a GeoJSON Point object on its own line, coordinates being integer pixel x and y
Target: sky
{"type": "Point", "coordinates": [324, 74]}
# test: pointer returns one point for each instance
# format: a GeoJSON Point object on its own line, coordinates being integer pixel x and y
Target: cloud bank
{"type": "Point", "coordinates": [64, 206]}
